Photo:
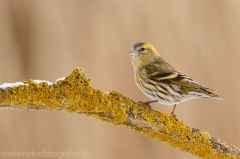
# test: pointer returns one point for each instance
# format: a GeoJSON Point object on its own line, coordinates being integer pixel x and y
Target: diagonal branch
{"type": "Point", "coordinates": [74, 94]}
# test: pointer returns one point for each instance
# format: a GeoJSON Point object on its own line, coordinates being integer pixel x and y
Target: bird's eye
{"type": "Point", "coordinates": [142, 49]}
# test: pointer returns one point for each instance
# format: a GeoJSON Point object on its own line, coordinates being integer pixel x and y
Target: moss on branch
{"type": "Point", "coordinates": [74, 94]}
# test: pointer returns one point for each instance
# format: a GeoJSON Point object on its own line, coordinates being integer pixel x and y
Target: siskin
{"type": "Point", "coordinates": [161, 82]}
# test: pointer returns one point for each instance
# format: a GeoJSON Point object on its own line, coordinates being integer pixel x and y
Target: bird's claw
{"type": "Point", "coordinates": [173, 115]}
{"type": "Point", "coordinates": [147, 104]}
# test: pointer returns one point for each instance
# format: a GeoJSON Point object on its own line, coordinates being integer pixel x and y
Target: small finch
{"type": "Point", "coordinates": [161, 82]}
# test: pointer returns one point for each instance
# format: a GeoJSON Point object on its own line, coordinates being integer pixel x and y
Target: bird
{"type": "Point", "coordinates": [161, 81]}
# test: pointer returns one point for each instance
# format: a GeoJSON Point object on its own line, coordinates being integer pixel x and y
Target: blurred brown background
{"type": "Point", "coordinates": [47, 39]}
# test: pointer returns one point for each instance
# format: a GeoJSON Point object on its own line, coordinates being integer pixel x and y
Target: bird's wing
{"type": "Point", "coordinates": [159, 68]}
{"type": "Point", "coordinates": [187, 81]}
{"type": "Point", "coordinates": [168, 74]}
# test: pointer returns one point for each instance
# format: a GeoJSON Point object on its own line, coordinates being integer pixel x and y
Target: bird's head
{"type": "Point", "coordinates": [142, 53]}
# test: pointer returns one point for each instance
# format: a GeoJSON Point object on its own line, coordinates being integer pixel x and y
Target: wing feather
{"type": "Point", "coordinates": [161, 71]}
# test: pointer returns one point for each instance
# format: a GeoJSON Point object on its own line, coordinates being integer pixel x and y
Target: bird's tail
{"type": "Point", "coordinates": [212, 95]}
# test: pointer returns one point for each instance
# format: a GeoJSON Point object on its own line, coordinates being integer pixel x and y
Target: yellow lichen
{"type": "Point", "coordinates": [74, 94]}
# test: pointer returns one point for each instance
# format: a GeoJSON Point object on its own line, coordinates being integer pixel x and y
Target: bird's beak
{"type": "Point", "coordinates": [133, 53]}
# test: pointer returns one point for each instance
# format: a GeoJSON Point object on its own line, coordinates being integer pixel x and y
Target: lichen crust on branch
{"type": "Point", "coordinates": [74, 94]}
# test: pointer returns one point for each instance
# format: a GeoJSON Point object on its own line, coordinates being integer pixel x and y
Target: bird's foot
{"type": "Point", "coordinates": [173, 115]}
{"type": "Point", "coordinates": [147, 103]}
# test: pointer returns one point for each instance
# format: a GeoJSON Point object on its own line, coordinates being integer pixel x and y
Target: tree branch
{"type": "Point", "coordinates": [74, 94]}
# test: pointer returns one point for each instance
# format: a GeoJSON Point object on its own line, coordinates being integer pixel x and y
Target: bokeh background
{"type": "Point", "coordinates": [47, 39]}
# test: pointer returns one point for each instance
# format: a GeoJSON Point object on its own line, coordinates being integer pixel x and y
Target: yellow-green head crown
{"type": "Point", "coordinates": [142, 53]}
